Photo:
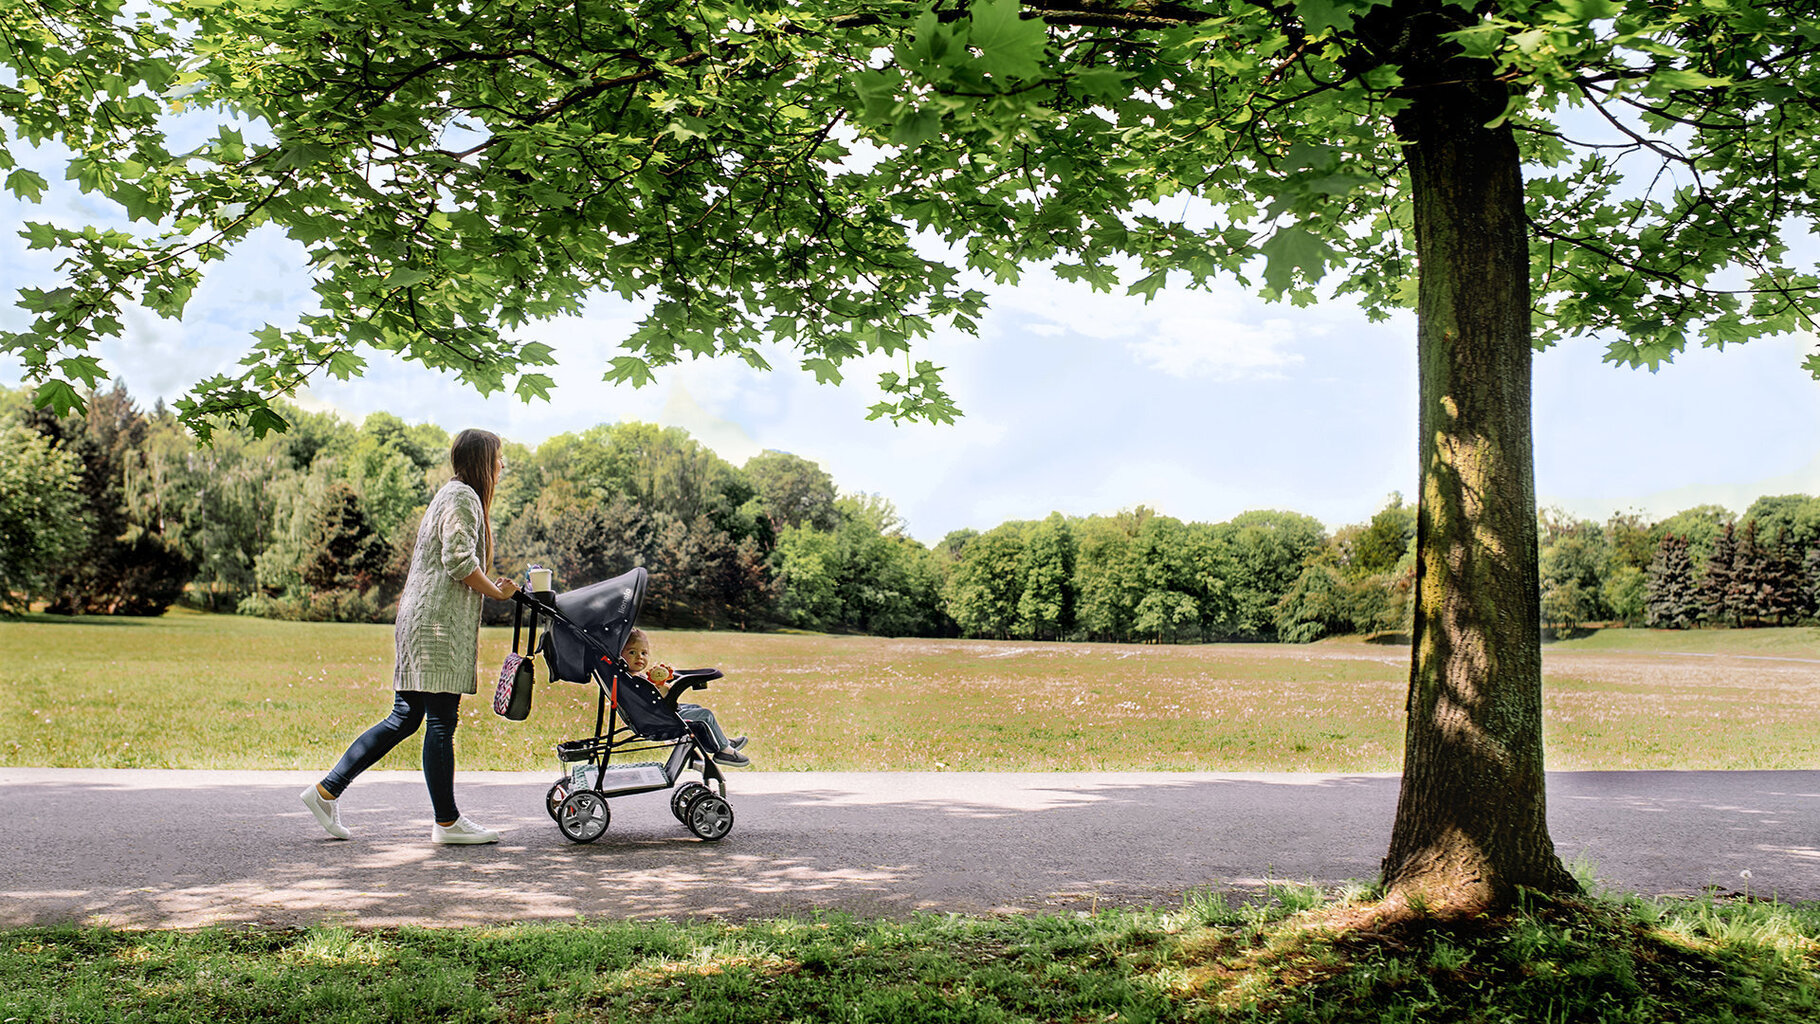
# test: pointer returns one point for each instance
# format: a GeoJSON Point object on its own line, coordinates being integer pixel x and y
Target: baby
{"type": "Point", "coordinates": [637, 656]}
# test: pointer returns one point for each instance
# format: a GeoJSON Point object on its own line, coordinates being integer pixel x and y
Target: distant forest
{"type": "Point", "coordinates": [117, 512]}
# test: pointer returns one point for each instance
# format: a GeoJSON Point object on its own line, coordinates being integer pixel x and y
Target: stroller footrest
{"type": "Point", "coordinates": [577, 750]}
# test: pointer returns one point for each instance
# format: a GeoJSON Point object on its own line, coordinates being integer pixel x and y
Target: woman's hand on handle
{"type": "Point", "coordinates": [501, 589]}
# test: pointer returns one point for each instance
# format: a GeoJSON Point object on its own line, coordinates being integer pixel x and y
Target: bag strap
{"type": "Point", "coordinates": [518, 610]}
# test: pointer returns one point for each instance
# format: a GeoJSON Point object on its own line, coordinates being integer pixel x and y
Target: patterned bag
{"type": "Point", "coordinates": [512, 698]}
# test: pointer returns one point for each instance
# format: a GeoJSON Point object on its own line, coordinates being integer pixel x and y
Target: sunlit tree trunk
{"type": "Point", "coordinates": [1471, 821]}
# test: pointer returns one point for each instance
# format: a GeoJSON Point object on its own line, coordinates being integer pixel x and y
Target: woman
{"type": "Point", "coordinates": [438, 638]}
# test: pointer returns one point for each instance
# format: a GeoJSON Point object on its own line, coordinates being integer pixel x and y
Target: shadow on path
{"type": "Point", "coordinates": [183, 849]}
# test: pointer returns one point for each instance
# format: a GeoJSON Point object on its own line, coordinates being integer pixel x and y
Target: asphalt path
{"type": "Point", "coordinates": [135, 848]}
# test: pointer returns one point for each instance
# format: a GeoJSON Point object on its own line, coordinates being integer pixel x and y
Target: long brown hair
{"type": "Point", "coordinates": [474, 456]}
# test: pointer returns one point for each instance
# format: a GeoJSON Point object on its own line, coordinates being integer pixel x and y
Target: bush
{"type": "Point", "coordinates": [320, 606]}
{"type": "Point", "coordinates": [41, 506]}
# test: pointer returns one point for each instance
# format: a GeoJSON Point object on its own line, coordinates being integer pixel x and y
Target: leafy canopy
{"type": "Point", "coordinates": [810, 176]}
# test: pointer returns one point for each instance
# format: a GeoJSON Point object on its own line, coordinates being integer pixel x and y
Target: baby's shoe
{"type": "Point", "coordinates": [732, 758]}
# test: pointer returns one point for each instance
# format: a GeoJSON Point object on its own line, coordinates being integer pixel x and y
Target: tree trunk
{"type": "Point", "coordinates": [1471, 824]}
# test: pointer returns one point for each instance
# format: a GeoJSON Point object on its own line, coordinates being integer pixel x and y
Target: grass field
{"type": "Point", "coordinates": [1289, 959]}
{"type": "Point", "coordinates": [197, 691]}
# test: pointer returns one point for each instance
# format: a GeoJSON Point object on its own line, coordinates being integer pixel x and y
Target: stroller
{"type": "Point", "coordinates": [582, 643]}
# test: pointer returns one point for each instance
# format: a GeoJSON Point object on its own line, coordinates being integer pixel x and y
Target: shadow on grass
{"type": "Point", "coordinates": [170, 849]}
{"type": "Point", "coordinates": [47, 619]}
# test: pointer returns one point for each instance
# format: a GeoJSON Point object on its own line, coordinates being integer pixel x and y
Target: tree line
{"type": "Point", "coordinates": [117, 511]}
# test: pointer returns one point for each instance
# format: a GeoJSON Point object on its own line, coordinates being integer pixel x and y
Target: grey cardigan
{"type": "Point", "coordinates": [438, 634]}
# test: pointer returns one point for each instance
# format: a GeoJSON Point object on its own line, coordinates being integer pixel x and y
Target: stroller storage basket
{"type": "Point", "coordinates": [630, 778]}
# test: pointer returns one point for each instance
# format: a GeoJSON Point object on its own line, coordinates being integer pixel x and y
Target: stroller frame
{"type": "Point", "coordinates": [577, 802]}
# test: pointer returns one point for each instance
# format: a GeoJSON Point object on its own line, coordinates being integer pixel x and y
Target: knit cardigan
{"type": "Point", "coordinates": [438, 635]}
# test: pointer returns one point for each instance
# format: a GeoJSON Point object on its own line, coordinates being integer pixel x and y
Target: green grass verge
{"type": "Point", "coordinates": [1294, 957]}
{"type": "Point", "coordinates": [199, 691]}
{"type": "Point", "coordinates": [1785, 642]}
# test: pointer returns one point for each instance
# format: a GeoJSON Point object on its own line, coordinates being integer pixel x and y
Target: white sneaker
{"type": "Point", "coordinates": [327, 812]}
{"type": "Point", "coordinates": [463, 831]}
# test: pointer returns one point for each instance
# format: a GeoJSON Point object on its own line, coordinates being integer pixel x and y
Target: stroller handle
{"type": "Point", "coordinates": [542, 607]}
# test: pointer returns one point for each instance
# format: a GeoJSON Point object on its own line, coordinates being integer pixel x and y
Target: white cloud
{"type": "Point", "coordinates": [1221, 350]}
{"type": "Point", "coordinates": [1215, 334]}
{"type": "Point", "coordinates": [1734, 496]}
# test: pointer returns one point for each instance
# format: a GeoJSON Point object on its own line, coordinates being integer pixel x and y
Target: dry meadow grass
{"type": "Point", "coordinates": [194, 691]}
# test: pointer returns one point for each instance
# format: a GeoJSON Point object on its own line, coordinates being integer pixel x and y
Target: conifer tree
{"type": "Point", "coordinates": [344, 552]}
{"type": "Point", "coordinates": [1811, 589]}
{"type": "Point", "coordinates": [1781, 580]}
{"type": "Point", "coordinates": [1674, 600]}
{"type": "Point", "coordinates": [125, 566]}
{"type": "Point", "coordinates": [1745, 593]}
{"type": "Point", "coordinates": [1716, 582]}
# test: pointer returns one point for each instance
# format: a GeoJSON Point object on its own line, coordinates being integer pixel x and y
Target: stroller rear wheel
{"type": "Point", "coordinates": [582, 816]}
{"type": "Point", "coordinates": [679, 802]}
{"type": "Point", "coordinates": [558, 792]}
{"type": "Point", "coordinates": [710, 817]}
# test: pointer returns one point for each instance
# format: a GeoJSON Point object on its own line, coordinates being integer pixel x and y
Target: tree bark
{"type": "Point", "coordinates": [1471, 822]}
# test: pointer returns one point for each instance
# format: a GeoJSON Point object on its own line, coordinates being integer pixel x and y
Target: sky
{"type": "Point", "coordinates": [1199, 404]}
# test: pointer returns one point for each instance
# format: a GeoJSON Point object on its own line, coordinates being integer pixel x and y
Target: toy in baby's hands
{"type": "Point", "coordinates": [660, 674]}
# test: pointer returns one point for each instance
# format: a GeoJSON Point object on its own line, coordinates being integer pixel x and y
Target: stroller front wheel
{"type": "Point", "coordinates": [710, 817]}
{"type": "Point", "coordinates": [553, 800]}
{"type": "Point", "coordinates": [582, 816]}
{"type": "Point", "coordinates": [679, 802]}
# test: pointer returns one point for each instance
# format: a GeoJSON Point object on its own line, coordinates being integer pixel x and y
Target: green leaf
{"type": "Point", "coordinates": [1479, 41]}
{"type": "Point", "coordinates": [265, 420]}
{"type": "Point", "coordinates": [685, 127]}
{"type": "Point", "coordinates": [1678, 78]}
{"type": "Point", "coordinates": [878, 91]}
{"type": "Point", "coordinates": [1010, 46]}
{"type": "Point", "coordinates": [1338, 184]}
{"type": "Point", "coordinates": [629, 370]}
{"type": "Point", "coordinates": [345, 365]}
{"type": "Point", "coordinates": [138, 202]}
{"type": "Point", "coordinates": [86, 368]}
{"type": "Point", "coordinates": [58, 396]}
{"type": "Point", "coordinates": [404, 277]}
{"type": "Point", "coordinates": [1320, 15]}
{"type": "Point", "coordinates": [1292, 249]}
{"type": "Point", "coordinates": [917, 127]}
{"type": "Point", "coordinates": [39, 235]}
{"type": "Point", "coordinates": [1590, 10]}
{"type": "Point", "coordinates": [536, 353]}
{"type": "Point", "coordinates": [534, 385]}
{"type": "Point", "coordinates": [1149, 285]}
{"type": "Point", "coordinates": [27, 185]}
{"type": "Point", "coordinates": [824, 369]}
{"type": "Point", "coordinates": [1099, 83]}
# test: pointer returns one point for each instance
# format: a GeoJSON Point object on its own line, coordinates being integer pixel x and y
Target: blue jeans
{"type": "Point", "coordinates": [702, 724]}
{"type": "Point", "coordinates": [408, 712]}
